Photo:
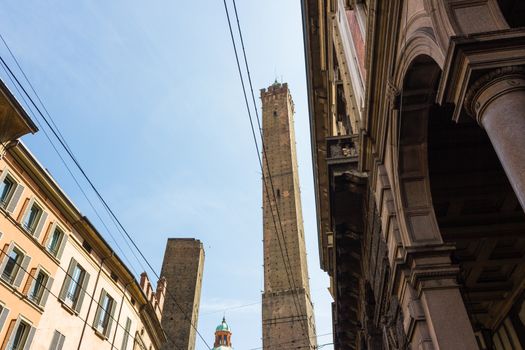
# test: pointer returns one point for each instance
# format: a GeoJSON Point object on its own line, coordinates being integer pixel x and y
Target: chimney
{"type": "Point", "coordinates": [145, 285]}
{"type": "Point", "coordinates": [161, 293]}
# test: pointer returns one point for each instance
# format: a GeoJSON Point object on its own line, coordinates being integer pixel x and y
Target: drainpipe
{"type": "Point", "coordinates": [119, 312]}
{"type": "Point", "coordinates": [92, 298]}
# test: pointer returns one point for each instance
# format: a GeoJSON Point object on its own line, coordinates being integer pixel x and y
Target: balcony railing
{"type": "Point", "coordinates": [341, 149]}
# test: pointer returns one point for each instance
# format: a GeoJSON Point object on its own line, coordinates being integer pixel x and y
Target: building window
{"type": "Point", "coordinates": [58, 341]}
{"type": "Point", "coordinates": [10, 191]}
{"type": "Point", "coordinates": [7, 187]}
{"type": "Point", "coordinates": [4, 311]}
{"type": "Point", "coordinates": [74, 287]}
{"type": "Point", "coordinates": [22, 336]}
{"type": "Point", "coordinates": [56, 241]}
{"type": "Point", "coordinates": [32, 218]}
{"type": "Point", "coordinates": [39, 289]}
{"type": "Point", "coordinates": [14, 260]}
{"type": "Point", "coordinates": [104, 315]}
{"type": "Point", "coordinates": [125, 338]}
{"type": "Point", "coordinates": [14, 265]}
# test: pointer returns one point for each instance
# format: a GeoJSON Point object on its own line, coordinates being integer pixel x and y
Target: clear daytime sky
{"type": "Point", "coordinates": [148, 97]}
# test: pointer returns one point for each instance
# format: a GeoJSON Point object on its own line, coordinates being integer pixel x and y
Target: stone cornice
{"type": "Point", "coordinates": [470, 56]}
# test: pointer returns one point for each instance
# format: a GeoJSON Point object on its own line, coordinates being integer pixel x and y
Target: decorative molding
{"type": "Point", "coordinates": [393, 94]}
{"type": "Point", "coordinates": [475, 101]}
{"type": "Point", "coordinates": [470, 56]}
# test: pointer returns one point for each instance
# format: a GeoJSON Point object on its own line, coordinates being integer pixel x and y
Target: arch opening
{"type": "Point", "coordinates": [513, 11]}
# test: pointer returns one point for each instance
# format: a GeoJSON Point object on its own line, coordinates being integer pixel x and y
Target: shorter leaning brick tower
{"type": "Point", "coordinates": [182, 267]}
{"type": "Point", "coordinates": [287, 311]}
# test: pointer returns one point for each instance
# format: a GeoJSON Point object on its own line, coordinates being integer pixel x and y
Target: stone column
{"type": "Point", "coordinates": [497, 101]}
{"type": "Point", "coordinates": [435, 309]}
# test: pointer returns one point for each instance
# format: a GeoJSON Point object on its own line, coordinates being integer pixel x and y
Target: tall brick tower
{"type": "Point", "coordinates": [287, 311]}
{"type": "Point", "coordinates": [182, 267]}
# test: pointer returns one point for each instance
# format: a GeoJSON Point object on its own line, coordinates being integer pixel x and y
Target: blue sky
{"type": "Point", "coordinates": [148, 97]}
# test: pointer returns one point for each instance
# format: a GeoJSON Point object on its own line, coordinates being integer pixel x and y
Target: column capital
{"type": "Point", "coordinates": [431, 268]}
{"type": "Point", "coordinates": [472, 56]}
{"type": "Point", "coordinates": [491, 86]}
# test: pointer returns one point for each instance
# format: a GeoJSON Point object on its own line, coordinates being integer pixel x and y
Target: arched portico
{"type": "Point", "coordinates": [458, 218]}
{"type": "Point", "coordinates": [427, 279]}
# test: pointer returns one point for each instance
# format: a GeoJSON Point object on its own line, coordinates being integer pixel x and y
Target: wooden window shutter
{"type": "Point", "coordinates": [58, 341]}
{"type": "Point", "coordinates": [5, 255]}
{"type": "Point", "coordinates": [83, 292]}
{"type": "Point", "coordinates": [99, 308]}
{"type": "Point", "coordinates": [61, 342]}
{"type": "Point", "coordinates": [111, 317]}
{"type": "Point", "coordinates": [29, 338]}
{"type": "Point", "coordinates": [3, 316]}
{"type": "Point", "coordinates": [63, 243]}
{"type": "Point", "coordinates": [30, 281]}
{"type": "Point", "coordinates": [67, 279]}
{"type": "Point", "coordinates": [22, 271]}
{"type": "Point", "coordinates": [126, 335]}
{"type": "Point", "coordinates": [47, 290]}
{"type": "Point", "coordinates": [25, 210]}
{"type": "Point", "coordinates": [11, 331]}
{"type": "Point", "coordinates": [40, 225]}
{"type": "Point", "coordinates": [15, 198]}
{"type": "Point", "coordinates": [49, 233]}
{"type": "Point", "coordinates": [54, 341]}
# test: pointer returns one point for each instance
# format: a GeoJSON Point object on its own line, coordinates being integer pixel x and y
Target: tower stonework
{"type": "Point", "coordinates": [287, 311]}
{"type": "Point", "coordinates": [182, 267]}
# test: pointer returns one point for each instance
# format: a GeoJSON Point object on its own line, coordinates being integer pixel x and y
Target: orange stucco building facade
{"type": "Point", "coordinates": [61, 284]}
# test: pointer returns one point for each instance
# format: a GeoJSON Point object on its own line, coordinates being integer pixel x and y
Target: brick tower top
{"type": "Point", "coordinates": [275, 90]}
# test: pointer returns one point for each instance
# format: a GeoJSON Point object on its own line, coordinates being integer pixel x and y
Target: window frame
{"type": "Point", "coordinates": [127, 335]}
{"type": "Point", "coordinates": [58, 340]}
{"type": "Point", "coordinates": [103, 320]}
{"type": "Point", "coordinates": [27, 336]}
{"type": "Point", "coordinates": [4, 202]}
{"type": "Point", "coordinates": [80, 291]}
{"type": "Point", "coordinates": [32, 227]}
{"type": "Point", "coordinates": [62, 241]}
{"type": "Point", "coordinates": [20, 268]}
{"type": "Point", "coordinates": [16, 264]}
{"type": "Point", "coordinates": [4, 312]}
{"type": "Point", "coordinates": [16, 192]}
{"type": "Point", "coordinates": [74, 289]}
{"type": "Point", "coordinates": [45, 287]}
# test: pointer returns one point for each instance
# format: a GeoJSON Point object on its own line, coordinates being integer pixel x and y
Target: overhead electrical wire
{"type": "Point", "coordinates": [265, 178]}
{"type": "Point", "coordinates": [75, 314]}
{"type": "Point", "coordinates": [295, 293]}
{"type": "Point", "coordinates": [102, 200]}
{"type": "Point", "coordinates": [4, 67]}
{"type": "Point", "coordinates": [90, 296]}
{"type": "Point", "coordinates": [297, 340]}
{"type": "Point", "coordinates": [284, 252]}
{"type": "Point", "coordinates": [56, 132]}
{"type": "Point", "coordinates": [7, 70]}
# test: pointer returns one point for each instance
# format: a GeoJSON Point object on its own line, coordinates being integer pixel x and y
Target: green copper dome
{"type": "Point", "coordinates": [223, 326]}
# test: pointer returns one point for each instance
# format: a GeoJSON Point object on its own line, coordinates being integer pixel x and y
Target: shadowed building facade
{"type": "Point", "coordinates": [182, 268]}
{"type": "Point", "coordinates": [287, 310]}
{"type": "Point", "coordinates": [417, 111]}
